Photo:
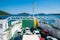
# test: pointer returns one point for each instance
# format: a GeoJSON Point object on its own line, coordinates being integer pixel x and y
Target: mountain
{"type": "Point", "coordinates": [23, 14]}
{"type": "Point", "coordinates": [4, 13]}
{"type": "Point", "coordinates": [50, 14]}
{"type": "Point", "coordinates": [39, 14]}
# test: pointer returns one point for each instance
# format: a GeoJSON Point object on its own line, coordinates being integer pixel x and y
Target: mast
{"type": "Point", "coordinates": [33, 4]}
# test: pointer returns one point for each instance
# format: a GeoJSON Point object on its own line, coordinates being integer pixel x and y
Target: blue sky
{"type": "Point", "coordinates": [20, 6]}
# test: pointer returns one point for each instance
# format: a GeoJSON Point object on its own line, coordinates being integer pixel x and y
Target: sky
{"type": "Point", "coordinates": [21, 6]}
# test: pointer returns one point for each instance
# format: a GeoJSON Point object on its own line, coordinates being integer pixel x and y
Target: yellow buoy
{"type": "Point", "coordinates": [35, 23]}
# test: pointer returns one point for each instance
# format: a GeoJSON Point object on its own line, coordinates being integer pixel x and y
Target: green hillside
{"type": "Point", "coordinates": [4, 13]}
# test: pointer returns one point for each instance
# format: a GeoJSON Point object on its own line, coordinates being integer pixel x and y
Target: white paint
{"type": "Point", "coordinates": [4, 35]}
{"type": "Point", "coordinates": [16, 27]}
{"type": "Point", "coordinates": [30, 37]}
{"type": "Point", "coordinates": [14, 22]}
